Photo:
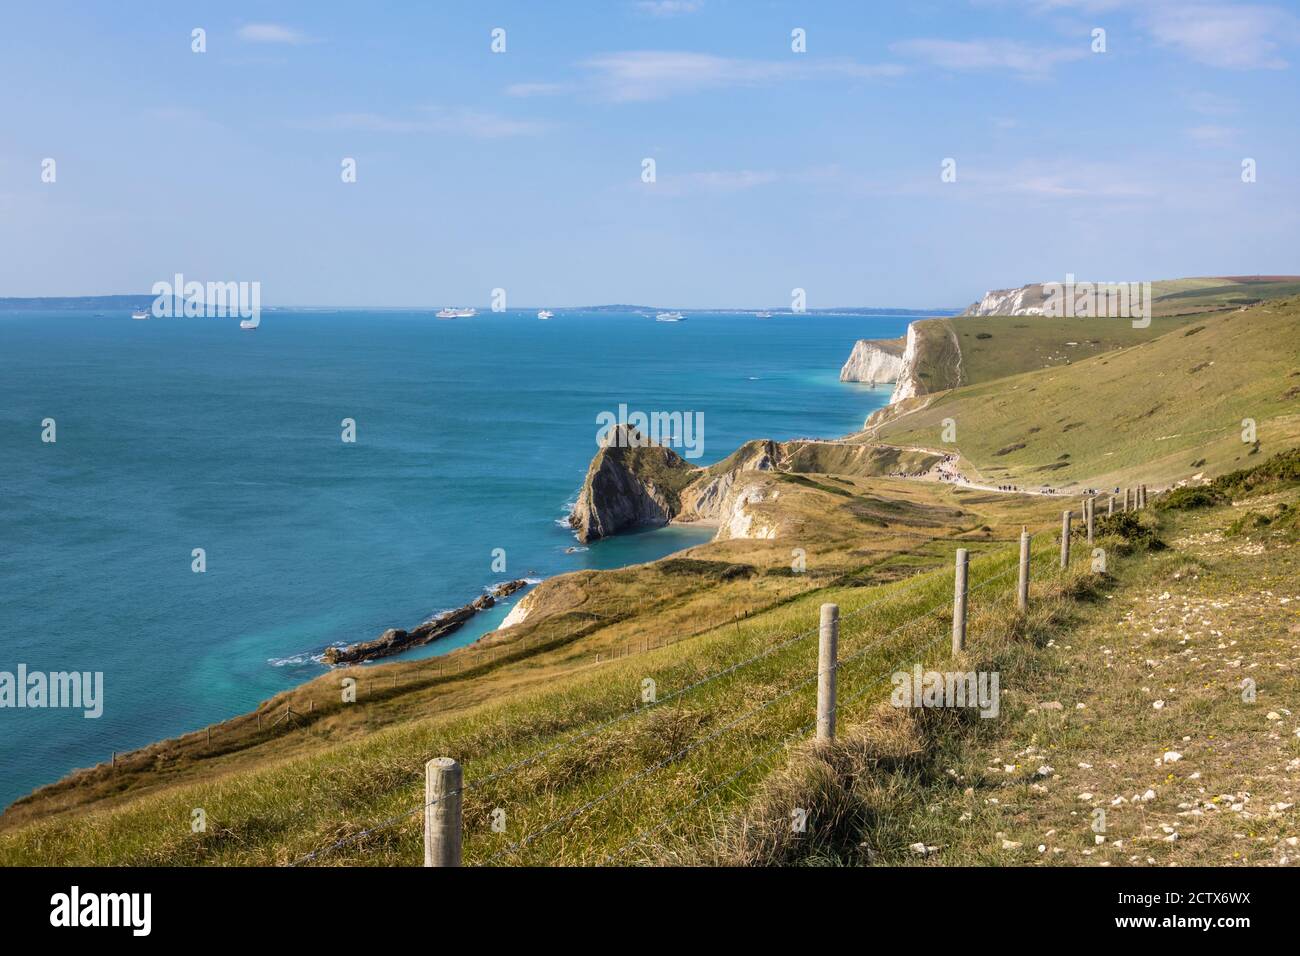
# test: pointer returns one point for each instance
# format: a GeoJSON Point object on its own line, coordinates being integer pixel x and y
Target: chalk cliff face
{"type": "Point", "coordinates": [647, 485]}
{"type": "Point", "coordinates": [876, 361]}
{"type": "Point", "coordinates": [739, 518]}
{"type": "Point", "coordinates": [1026, 300]}
{"type": "Point", "coordinates": [908, 383]}
{"type": "Point", "coordinates": [630, 483]}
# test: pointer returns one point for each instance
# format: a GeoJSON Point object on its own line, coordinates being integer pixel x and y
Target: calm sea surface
{"type": "Point", "coordinates": [473, 434]}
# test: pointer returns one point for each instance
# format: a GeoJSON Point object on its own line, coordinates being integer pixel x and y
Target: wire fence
{"type": "Point", "coordinates": [595, 729]}
{"type": "Point", "coordinates": [560, 822]}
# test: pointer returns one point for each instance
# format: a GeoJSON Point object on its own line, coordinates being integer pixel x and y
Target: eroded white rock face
{"type": "Point", "coordinates": [710, 499]}
{"type": "Point", "coordinates": [738, 522]}
{"type": "Point", "coordinates": [1026, 300]}
{"type": "Point", "coordinates": [517, 613]}
{"type": "Point", "coordinates": [870, 363]}
{"type": "Point", "coordinates": [907, 383]}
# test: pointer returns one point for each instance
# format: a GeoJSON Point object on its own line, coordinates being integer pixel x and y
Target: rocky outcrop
{"type": "Point", "coordinates": [518, 613]}
{"type": "Point", "coordinates": [707, 497]}
{"type": "Point", "coordinates": [908, 383]}
{"type": "Point", "coordinates": [874, 361]}
{"type": "Point", "coordinates": [395, 640]}
{"type": "Point", "coordinates": [630, 483]}
{"type": "Point", "coordinates": [1026, 300]}
{"type": "Point", "coordinates": [739, 517]}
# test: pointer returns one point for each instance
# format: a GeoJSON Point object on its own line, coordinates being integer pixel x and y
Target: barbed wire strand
{"type": "Point", "coordinates": [783, 742]}
{"type": "Point", "coordinates": [519, 764]}
{"type": "Point", "coordinates": [582, 808]}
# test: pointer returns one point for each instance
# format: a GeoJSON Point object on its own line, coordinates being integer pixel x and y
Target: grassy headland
{"type": "Point", "coordinates": [548, 715]}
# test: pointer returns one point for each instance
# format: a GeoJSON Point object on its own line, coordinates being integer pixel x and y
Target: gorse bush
{"type": "Point", "coordinates": [1185, 499]}
{"type": "Point", "coordinates": [1280, 471]}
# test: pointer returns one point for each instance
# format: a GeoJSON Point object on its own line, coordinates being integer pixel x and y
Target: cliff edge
{"type": "Point", "coordinates": [630, 483]}
{"type": "Point", "coordinates": [875, 361]}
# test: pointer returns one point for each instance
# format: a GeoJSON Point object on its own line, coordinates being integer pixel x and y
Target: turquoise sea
{"type": "Point", "coordinates": [472, 435]}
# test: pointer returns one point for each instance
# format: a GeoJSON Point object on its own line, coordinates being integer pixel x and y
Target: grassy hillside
{"type": "Point", "coordinates": [1214, 293]}
{"type": "Point", "coordinates": [1134, 707]}
{"type": "Point", "coordinates": [994, 347]}
{"type": "Point", "coordinates": [1158, 411]}
{"type": "Point", "coordinates": [854, 531]}
{"type": "Point", "coordinates": [583, 751]}
{"type": "Point", "coordinates": [548, 717]}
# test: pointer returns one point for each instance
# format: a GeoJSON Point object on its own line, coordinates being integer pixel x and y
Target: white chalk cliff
{"type": "Point", "coordinates": [875, 361]}
{"type": "Point", "coordinates": [907, 384]}
{"type": "Point", "coordinates": [1026, 300]}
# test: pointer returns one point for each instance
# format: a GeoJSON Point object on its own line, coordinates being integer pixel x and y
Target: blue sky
{"type": "Point", "coordinates": [522, 169]}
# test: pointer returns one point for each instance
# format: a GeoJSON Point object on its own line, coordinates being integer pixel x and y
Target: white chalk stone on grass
{"type": "Point", "coordinates": [1172, 756]}
{"type": "Point", "coordinates": [1010, 845]}
{"type": "Point", "coordinates": [1158, 705]}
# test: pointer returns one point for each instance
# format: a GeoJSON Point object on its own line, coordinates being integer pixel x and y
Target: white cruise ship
{"type": "Point", "coordinates": [457, 313]}
{"type": "Point", "coordinates": [544, 315]}
{"type": "Point", "coordinates": [669, 317]}
{"type": "Point", "coordinates": [140, 314]}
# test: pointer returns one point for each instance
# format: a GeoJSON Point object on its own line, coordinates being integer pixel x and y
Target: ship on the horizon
{"type": "Point", "coordinates": [450, 313]}
{"type": "Point", "coordinates": [544, 314]}
{"type": "Point", "coordinates": [763, 315]}
{"type": "Point", "coordinates": [669, 317]}
{"type": "Point", "coordinates": [140, 314]}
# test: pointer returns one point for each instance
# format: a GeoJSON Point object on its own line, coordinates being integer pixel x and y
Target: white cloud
{"type": "Point", "coordinates": [1065, 180]}
{"type": "Point", "coordinates": [641, 75]}
{"type": "Point", "coordinates": [272, 33]}
{"type": "Point", "coordinates": [720, 181]}
{"type": "Point", "coordinates": [1212, 134]}
{"type": "Point", "coordinates": [668, 8]}
{"type": "Point", "coordinates": [1212, 104]}
{"type": "Point", "coordinates": [650, 75]}
{"type": "Point", "coordinates": [537, 89]}
{"type": "Point", "coordinates": [989, 54]}
{"type": "Point", "coordinates": [1235, 37]}
{"type": "Point", "coordinates": [431, 120]}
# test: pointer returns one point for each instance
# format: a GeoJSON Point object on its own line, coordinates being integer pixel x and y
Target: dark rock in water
{"type": "Point", "coordinates": [395, 640]}
{"type": "Point", "coordinates": [507, 588]}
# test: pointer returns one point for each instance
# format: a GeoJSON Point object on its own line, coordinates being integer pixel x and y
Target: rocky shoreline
{"type": "Point", "coordinates": [395, 640]}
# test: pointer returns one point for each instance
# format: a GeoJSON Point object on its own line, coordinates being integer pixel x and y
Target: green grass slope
{"type": "Point", "coordinates": [1158, 411]}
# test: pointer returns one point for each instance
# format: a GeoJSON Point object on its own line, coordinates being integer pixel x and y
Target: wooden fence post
{"type": "Point", "coordinates": [1126, 499]}
{"type": "Point", "coordinates": [1065, 539]}
{"type": "Point", "coordinates": [1110, 505]}
{"type": "Point", "coordinates": [959, 592]}
{"type": "Point", "coordinates": [1022, 593]}
{"type": "Point", "coordinates": [442, 791]}
{"type": "Point", "coordinates": [1089, 505]}
{"type": "Point", "coordinates": [827, 662]}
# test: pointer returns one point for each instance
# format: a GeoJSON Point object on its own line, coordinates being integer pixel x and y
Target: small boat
{"type": "Point", "coordinates": [544, 315]}
{"type": "Point", "coordinates": [669, 317]}
{"type": "Point", "coordinates": [763, 315]}
{"type": "Point", "coordinates": [250, 323]}
{"type": "Point", "coordinates": [450, 313]}
{"type": "Point", "coordinates": [140, 314]}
